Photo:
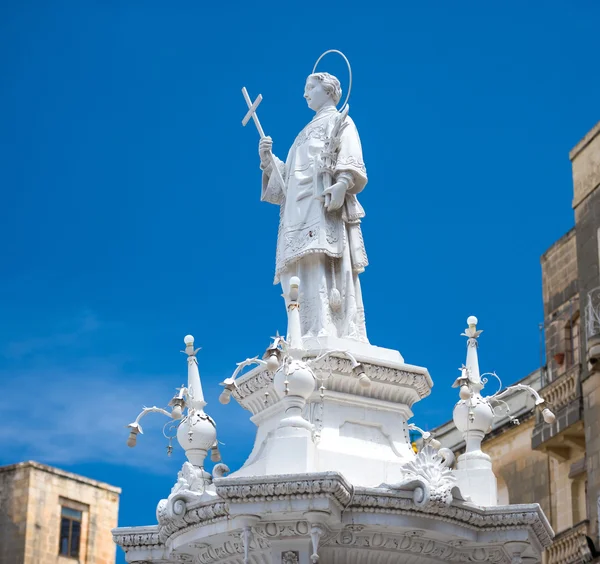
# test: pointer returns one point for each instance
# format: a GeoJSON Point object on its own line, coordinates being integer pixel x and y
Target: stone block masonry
{"type": "Point", "coordinates": [32, 497]}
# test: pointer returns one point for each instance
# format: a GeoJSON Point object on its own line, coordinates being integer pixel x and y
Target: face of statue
{"type": "Point", "coordinates": [315, 95]}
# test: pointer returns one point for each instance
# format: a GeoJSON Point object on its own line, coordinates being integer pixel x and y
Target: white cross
{"type": "Point", "coordinates": [252, 114]}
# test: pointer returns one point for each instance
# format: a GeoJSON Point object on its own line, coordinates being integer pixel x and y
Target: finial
{"type": "Point", "coordinates": [294, 288]}
{"type": "Point", "coordinates": [294, 328]}
{"type": "Point", "coordinates": [195, 430]}
{"type": "Point", "coordinates": [474, 416]}
{"type": "Point", "coordinates": [189, 346]}
{"type": "Point", "coordinates": [471, 367]}
{"type": "Point", "coordinates": [471, 331]}
{"type": "Point", "coordinates": [196, 397]}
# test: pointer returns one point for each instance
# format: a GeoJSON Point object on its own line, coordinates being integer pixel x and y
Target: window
{"type": "Point", "coordinates": [572, 340]}
{"type": "Point", "coordinates": [70, 532]}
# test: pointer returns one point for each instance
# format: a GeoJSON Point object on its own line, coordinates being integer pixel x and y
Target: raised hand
{"type": "Point", "coordinates": [265, 147]}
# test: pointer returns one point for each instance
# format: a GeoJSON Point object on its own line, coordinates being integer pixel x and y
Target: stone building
{"type": "Point", "coordinates": [51, 516]}
{"type": "Point", "coordinates": [558, 465]}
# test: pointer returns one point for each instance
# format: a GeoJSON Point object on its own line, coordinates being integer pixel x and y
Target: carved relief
{"type": "Point", "coordinates": [416, 544]}
{"type": "Point", "coordinates": [430, 477]}
{"type": "Point", "coordinates": [211, 554]}
{"type": "Point", "coordinates": [282, 529]}
{"type": "Point", "coordinates": [281, 487]}
{"type": "Point", "coordinates": [290, 557]}
{"type": "Point", "coordinates": [176, 518]}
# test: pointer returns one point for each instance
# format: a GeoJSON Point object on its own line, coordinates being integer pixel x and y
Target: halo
{"type": "Point", "coordinates": [349, 72]}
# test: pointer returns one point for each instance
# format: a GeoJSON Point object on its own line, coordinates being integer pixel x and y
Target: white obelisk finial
{"type": "Point", "coordinates": [196, 400]}
{"type": "Point", "coordinates": [197, 433]}
{"type": "Point", "coordinates": [472, 363]}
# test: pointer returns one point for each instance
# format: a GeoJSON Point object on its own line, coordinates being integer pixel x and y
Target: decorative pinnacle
{"type": "Point", "coordinates": [189, 346]}
{"type": "Point", "coordinates": [471, 330]}
{"type": "Point", "coordinates": [294, 329]}
{"type": "Point", "coordinates": [471, 367]}
{"type": "Point", "coordinates": [194, 387]}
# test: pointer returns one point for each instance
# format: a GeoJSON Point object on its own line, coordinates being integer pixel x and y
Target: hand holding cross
{"type": "Point", "coordinates": [252, 114]}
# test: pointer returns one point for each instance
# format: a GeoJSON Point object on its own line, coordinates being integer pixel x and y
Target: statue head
{"type": "Point", "coordinates": [322, 89]}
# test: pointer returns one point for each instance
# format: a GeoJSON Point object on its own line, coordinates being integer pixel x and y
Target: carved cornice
{"type": "Point", "coordinates": [137, 537]}
{"type": "Point", "coordinates": [377, 373]}
{"type": "Point", "coordinates": [362, 500]}
{"type": "Point", "coordinates": [254, 381]}
{"type": "Point", "coordinates": [288, 486]}
{"type": "Point", "coordinates": [371, 500]}
{"type": "Point", "coordinates": [417, 383]}
{"type": "Point", "coordinates": [191, 518]}
{"type": "Point", "coordinates": [378, 500]}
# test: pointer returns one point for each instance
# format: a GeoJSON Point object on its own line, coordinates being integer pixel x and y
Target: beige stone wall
{"type": "Point", "coordinates": [591, 411]}
{"type": "Point", "coordinates": [585, 159]}
{"type": "Point", "coordinates": [559, 272]}
{"type": "Point", "coordinates": [14, 485]}
{"type": "Point", "coordinates": [560, 289]}
{"type": "Point", "coordinates": [522, 472]}
{"type": "Point", "coordinates": [47, 490]}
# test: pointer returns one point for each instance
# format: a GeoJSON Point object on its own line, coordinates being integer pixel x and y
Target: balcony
{"type": "Point", "coordinates": [592, 329]}
{"type": "Point", "coordinates": [562, 390]}
{"type": "Point", "coordinates": [592, 313]}
{"type": "Point", "coordinates": [570, 546]}
{"type": "Point", "coordinates": [563, 395]}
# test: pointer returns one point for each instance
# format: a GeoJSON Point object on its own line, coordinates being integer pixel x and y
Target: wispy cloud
{"type": "Point", "coordinates": [68, 333]}
{"type": "Point", "coordinates": [62, 416]}
{"type": "Point", "coordinates": [70, 409]}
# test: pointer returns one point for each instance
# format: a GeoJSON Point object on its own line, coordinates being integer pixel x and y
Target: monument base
{"type": "Point", "coordinates": [476, 480]}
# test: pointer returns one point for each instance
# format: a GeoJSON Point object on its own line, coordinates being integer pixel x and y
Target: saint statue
{"type": "Point", "coordinates": [319, 237]}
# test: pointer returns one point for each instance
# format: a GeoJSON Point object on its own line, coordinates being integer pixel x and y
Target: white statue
{"type": "Point", "coordinates": [319, 237]}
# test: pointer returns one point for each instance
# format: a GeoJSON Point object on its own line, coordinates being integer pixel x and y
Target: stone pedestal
{"type": "Point", "coordinates": [345, 478]}
{"type": "Point", "coordinates": [289, 449]}
{"type": "Point", "coordinates": [476, 480]}
{"type": "Point", "coordinates": [361, 432]}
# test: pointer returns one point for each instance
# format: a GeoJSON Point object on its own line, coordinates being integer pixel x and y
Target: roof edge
{"type": "Point", "coordinates": [62, 473]}
{"type": "Point", "coordinates": [587, 139]}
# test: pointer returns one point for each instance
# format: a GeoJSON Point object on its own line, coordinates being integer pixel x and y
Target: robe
{"type": "Point", "coordinates": [324, 249]}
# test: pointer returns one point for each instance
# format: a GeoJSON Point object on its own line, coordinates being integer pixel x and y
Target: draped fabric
{"type": "Point", "coordinates": [324, 249]}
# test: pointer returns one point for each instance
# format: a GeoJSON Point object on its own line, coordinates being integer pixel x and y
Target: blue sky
{"type": "Point", "coordinates": [131, 212]}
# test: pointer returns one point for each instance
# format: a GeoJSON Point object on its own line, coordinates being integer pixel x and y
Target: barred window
{"type": "Point", "coordinates": [70, 532]}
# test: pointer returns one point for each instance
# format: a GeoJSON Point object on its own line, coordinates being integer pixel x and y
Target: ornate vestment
{"type": "Point", "coordinates": [325, 249]}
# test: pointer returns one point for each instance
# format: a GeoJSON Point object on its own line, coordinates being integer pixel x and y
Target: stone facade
{"type": "Point", "coordinates": [558, 465]}
{"type": "Point", "coordinates": [585, 158]}
{"type": "Point", "coordinates": [32, 497]}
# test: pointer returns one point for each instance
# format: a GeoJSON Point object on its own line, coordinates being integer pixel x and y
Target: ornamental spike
{"type": "Point", "coordinates": [196, 396]}
{"type": "Point", "coordinates": [472, 362]}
